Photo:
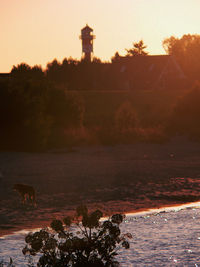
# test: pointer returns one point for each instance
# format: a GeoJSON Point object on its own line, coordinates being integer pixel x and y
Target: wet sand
{"type": "Point", "coordinates": [123, 178]}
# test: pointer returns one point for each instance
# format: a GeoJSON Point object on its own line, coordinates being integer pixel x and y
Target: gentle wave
{"type": "Point", "coordinates": [168, 236]}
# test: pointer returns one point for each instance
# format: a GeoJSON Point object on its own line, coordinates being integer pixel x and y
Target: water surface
{"type": "Point", "coordinates": [162, 237]}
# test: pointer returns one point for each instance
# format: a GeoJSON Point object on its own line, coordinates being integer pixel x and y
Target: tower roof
{"type": "Point", "coordinates": [87, 28]}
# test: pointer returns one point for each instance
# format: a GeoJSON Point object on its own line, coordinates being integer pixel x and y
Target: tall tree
{"type": "Point", "coordinates": [137, 50]}
{"type": "Point", "coordinates": [53, 71]}
{"type": "Point", "coordinates": [187, 52]}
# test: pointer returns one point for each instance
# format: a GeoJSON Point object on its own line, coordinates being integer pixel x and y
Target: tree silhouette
{"type": "Point", "coordinates": [53, 71]}
{"type": "Point", "coordinates": [137, 50]}
{"type": "Point", "coordinates": [186, 50]}
{"type": "Point", "coordinates": [24, 71]}
{"type": "Point", "coordinates": [116, 57]}
{"type": "Point", "coordinates": [96, 60]}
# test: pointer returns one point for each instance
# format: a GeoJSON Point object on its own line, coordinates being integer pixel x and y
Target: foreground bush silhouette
{"type": "Point", "coordinates": [91, 243]}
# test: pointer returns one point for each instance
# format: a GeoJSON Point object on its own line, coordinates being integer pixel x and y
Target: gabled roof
{"type": "Point", "coordinates": [144, 63]}
{"type": "Point", "coordinates": [148, 70]}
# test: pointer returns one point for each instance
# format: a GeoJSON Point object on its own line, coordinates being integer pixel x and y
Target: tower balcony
{"type": "Point", "coordinates": [87, 36]}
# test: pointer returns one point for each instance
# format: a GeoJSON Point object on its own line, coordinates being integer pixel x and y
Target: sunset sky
{"type": "Point", "coordinates": [37, 31]}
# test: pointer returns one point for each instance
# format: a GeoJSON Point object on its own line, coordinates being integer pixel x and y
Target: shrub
{"type": "Point", "coordinates": [185, 116]}
{"type": "Point", "coordinates": [125, 118]}
{"type": "Point", "coordinates": [94, 244]}
{"type": "Point", "coordinates": [152, 135]}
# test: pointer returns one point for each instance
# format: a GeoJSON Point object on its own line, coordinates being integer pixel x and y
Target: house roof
{"type": "Point", "coordinates": [147, 70]}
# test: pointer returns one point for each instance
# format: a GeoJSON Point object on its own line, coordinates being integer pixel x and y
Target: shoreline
{"type": "Point", "coordinates": [38, 224]}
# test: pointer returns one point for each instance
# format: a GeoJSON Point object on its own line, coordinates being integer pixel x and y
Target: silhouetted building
{"type": "Point", "coordinates": [148, 72]}
{"type": "Point", "coordinates": [87, 38]}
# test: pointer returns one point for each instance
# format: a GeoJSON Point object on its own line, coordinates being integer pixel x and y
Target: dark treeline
{"type": "Point", "coordinates": [96, 75]}
{"type": "Point", "coordinates": [79, 75]}
{"type": "Point", "coordinates": [42, 109]}
{"type": "Point", "coordinates": [72, 74]}
{"type": "Point", "coordinates": [33, 112]}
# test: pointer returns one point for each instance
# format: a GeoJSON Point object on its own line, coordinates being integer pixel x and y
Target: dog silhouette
{"type": "Point", "coordinates": [26, 192]}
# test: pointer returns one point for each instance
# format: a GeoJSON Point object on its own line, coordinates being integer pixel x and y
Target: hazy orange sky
{"type": "Point", "coordinates": [37, 31]}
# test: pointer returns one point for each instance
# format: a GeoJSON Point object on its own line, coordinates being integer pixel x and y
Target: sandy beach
{"type": "Point", "coordinates": [122, 178]}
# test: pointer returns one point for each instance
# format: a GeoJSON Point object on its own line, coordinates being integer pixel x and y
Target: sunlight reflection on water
{"type": "Point", "coordinates": [168, 236]}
